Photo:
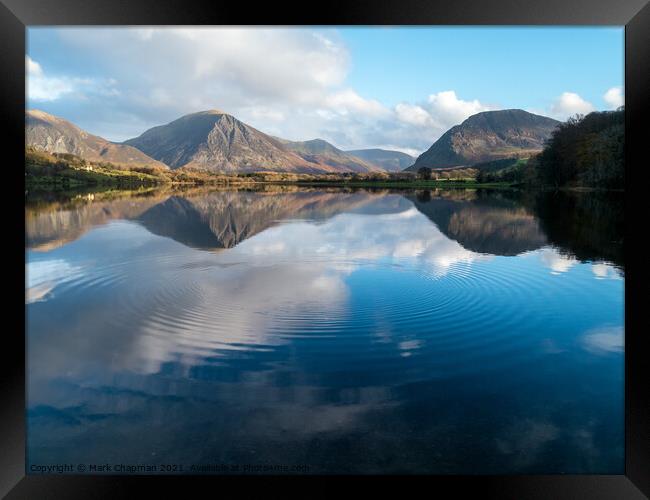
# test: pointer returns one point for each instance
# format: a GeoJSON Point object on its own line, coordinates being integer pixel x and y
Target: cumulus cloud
{"type": "Point", "coordinates": [441, 111]}
{"type": "Point", "coordinates": [32, 67]}
{"type": "Point", "coordinates": [413, 115]}
{"type": "Point", "coordinates": [42, 88]}
{"type": "Point", "coordinates": [45, 88]}
{"type": "Point", "coordinates": [569, 104]}
{"type": "Point", "coordinates": [449, 110]}
{"type": "Point", "coordinates": [263, 76]}
{"type": "Point", "coordinates": [348, 100]}
{"type": "Point", "coordinates": [614, 97]}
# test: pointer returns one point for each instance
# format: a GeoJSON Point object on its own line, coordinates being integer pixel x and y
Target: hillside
{"type": "Point", "coordinates": [488, 136]}
{"type": "Point", "coordinates": [390, 161]}
{"type": "Point", "coordinates": [51, 134]}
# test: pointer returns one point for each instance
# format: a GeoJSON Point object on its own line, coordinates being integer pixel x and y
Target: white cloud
{"type": "Point", "coordinates": [44, 88]}
{"type": "Point", "coordinates": [221, 68]}
{"type": "Point", "coordinates": [394, 147]}
{"type": "Point", "coordinates": [569, 104]}
{"type": "Point", "coordinates": [424, 122]}
{"type": "Point", "coordinates": [33, 68]}
{"type": "Point", "coordinates": [449, 110]}
{"type": "Point", "coordinates": [265, 113]}
{"type": "Point", "coordinates": [348, 100]}
{"type": "Point", "coordinates": [614, 97]}
{"type": "Point", "coordinates": [413, 115]}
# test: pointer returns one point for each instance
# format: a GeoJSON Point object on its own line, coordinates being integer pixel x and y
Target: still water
{"type": "Point", "coordinates": [326, 331]}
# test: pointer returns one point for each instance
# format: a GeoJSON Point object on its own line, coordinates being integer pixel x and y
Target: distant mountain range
{"type": "Point", "coordinates": [215, 141]}
{"type": "Point", "coordinates": [390, 161]}
{"type": "Point", "coordinates": [323, 153]}
{"type": "Point", "coordinates": [488, 136]}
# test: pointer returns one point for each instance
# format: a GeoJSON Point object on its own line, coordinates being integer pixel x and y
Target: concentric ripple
{"type": "Point", "coordinates": [390, 316]}
{"type": "Point", "coordinates": [349, 293]}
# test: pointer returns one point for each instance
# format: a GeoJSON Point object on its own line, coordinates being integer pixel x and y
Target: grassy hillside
{"type": "Point", "coordinates": [61, 170]}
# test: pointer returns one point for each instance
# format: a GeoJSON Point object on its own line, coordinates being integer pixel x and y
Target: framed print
{"type": "Point", "coordinates": [370, 241]}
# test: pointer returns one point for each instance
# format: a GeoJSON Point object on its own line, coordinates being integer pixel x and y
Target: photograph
{"type": "Point", "coordinates": [325, 250]}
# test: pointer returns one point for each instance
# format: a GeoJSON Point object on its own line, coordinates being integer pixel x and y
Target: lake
{"type": "Point", "coordinates": [287, 330]}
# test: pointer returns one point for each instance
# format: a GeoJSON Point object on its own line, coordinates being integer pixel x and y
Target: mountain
{"type": "Point", "coordinates": [390, 161]}
{"type": "Point", "coordinates": [323, 153]}
{"type": "Point", "coordinates": [219, 142]}
{"type": "Point", "coordinates": [487, 136]}
{"type": "Point", "coordinates": [52, 134]}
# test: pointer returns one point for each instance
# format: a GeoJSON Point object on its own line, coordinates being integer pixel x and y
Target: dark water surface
{"type": "Point", "coordinates": [327, 331]}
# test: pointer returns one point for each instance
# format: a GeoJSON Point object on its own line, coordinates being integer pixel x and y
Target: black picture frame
{"type": "Point", "coordinates": [16, 15]}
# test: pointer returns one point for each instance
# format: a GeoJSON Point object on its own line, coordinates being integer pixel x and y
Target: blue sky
{"type": "Point", "coordinates": [391, 87]}
{"type": "Point", "coordinates": [518, 67]}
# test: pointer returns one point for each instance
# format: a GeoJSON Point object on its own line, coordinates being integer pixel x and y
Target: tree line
{"type": "Point", "coordinates": [586, 151]}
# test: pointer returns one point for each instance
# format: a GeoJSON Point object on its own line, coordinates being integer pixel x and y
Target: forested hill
{"type": "Point", "coordinates": [586, 151]}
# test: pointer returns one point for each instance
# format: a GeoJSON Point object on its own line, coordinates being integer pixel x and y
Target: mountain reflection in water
{"type": "Point", "coordinates": [450, 331]}
{"type": "Point", "coordinates": [588, 226]}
